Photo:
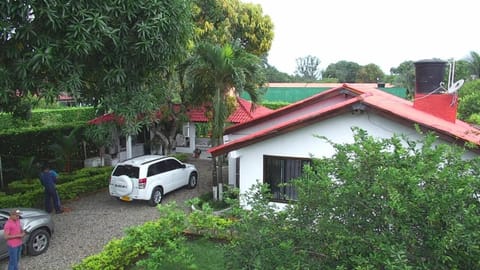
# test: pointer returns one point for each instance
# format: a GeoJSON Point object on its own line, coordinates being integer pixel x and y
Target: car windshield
{"type": "Point", "coordinates": [128, 170]}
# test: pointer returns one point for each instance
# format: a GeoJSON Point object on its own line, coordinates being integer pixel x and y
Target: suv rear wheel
{"type": "Point", "coordinates": [157, 196]}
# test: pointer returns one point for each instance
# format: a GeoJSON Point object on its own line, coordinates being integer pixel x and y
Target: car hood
{"type": "Point", "coordinates": [28, 212]}
{"type": "Point", "coordinates": [188, 165]}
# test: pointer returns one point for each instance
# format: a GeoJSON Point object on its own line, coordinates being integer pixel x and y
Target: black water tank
{"type": "Point", "coordinates": [428, 75]}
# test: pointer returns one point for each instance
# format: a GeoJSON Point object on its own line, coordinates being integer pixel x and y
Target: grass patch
{"type": "Point", "coordinates": [207, 254]}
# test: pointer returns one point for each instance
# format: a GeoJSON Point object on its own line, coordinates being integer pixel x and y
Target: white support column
{"type": "Point", "coordinates": [129, 147]}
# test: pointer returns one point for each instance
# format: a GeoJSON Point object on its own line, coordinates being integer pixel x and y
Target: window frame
{"type": "Point", "coordinates": [283, 194]}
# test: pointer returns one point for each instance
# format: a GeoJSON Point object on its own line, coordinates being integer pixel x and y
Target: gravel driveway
{"type": "Point", "coordinates": [97, 218]}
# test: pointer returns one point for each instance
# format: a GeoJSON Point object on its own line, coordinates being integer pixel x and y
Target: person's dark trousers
{"type": "Point", "coordinates": [58, 200]}
{"type": "Point", "coordinates": [49, 196]}
{"type": "Point", "coordinates": [14, 254]}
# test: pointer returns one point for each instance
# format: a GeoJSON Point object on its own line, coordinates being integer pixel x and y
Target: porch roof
{"type": "Point", "coordinates": [245, 111]}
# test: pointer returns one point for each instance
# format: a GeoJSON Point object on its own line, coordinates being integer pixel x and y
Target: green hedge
{"type": "Point", "coordinates": [141, 240]}
{"type": "Point", "coordinates": [25, 185]}
{"type": "Point", "coordinates": [31, 193]}
{"type": "Point", "coordinates": [43, 118]}
{"type": "Point", "coordinates": [22, 139]}
{"type": "Point", "coordinates": [274, 104]}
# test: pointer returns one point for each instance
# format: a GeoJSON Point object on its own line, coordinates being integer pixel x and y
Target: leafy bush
{"type": "Point", "coordinates": [469, 101]}
{"type": "Point", "coordinates": [42, 118]}
{"type": "Point", "coordinates": [375, 204]}
{"type": "Point", "coordinates": [230, 197]}
{"type": "Point", "coordinates": [181, 156]}
{"type": "Point", "coordinates": [203, 222]}
{"type": "Point", "coordinates": [274, 104]}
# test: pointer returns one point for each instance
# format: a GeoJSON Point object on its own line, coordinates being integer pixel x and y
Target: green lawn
{"type": "Point", "coordinates": [207, 254]}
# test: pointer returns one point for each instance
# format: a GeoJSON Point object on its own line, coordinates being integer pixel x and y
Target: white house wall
{"type": "Point", "coordinates": [302, 143]}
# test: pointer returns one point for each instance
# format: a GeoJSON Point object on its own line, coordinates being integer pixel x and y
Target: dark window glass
{"type": "Point", "coordinates": [172, 164]}
{"type": "Point", "coordinates": [278, 173]}
{"type": "Point", "coordinates": [162, 166]}
{"type": "Point", "coordinates": [128, 170]}
{"type": "Point", "coordinates": [154, 169]}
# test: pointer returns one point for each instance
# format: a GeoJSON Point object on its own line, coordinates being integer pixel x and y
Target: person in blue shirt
{"type": "Point", "coordinates": [49, 181]}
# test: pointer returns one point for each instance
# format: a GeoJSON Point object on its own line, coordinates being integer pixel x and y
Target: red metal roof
{"type": "Point", "coordinates": [242, 113]}
{"type": "Point", "coordinates": [385, 103]}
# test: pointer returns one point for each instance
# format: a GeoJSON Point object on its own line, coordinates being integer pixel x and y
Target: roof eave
{"type": "Point", "coordinates": [283, 128]}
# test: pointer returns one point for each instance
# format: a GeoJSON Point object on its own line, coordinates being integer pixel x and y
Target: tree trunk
{"type": "Point", "coordinates": [166, 136]}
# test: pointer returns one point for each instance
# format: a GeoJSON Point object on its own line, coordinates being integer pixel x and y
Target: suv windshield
{"type": "Point", "coordinates": [127, 170]}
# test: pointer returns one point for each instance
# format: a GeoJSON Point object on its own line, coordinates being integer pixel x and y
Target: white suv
{"type": "Point", "coordinates": [150, 177]}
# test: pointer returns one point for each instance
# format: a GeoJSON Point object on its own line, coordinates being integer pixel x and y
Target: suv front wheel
{"type": "Point", "coordinates": [38, 242]}
{"type": "Point", "coordinates": [157, 196]}
{"type": "Point", "coordinates": [192, 181]}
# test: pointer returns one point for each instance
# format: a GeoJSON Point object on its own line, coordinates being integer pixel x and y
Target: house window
{"type": "Point", "coordinates": [278, 173]}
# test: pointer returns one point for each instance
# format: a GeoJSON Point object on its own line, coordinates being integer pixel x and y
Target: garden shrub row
{"type": "Point", "coordinates": [160, 244]}
{"type": "Point", "coordinates": [30, 192]}
{"type": "Point", "coordinates": [42, 118]}
{"type": "Point", "coordinates": [25, 185]}
{"type": "Point", "coordinates": [139, 241]}
{"type": "Point", "coordinates": [22, 140]}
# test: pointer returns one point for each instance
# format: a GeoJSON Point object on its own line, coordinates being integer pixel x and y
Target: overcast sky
{"type": "Point", "coordinates": [385, 32]}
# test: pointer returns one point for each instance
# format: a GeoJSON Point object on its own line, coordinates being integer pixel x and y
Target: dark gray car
{"type": "Point", "coordinates": [38, 226]}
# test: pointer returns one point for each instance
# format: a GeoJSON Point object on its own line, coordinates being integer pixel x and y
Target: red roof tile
{"type": "Point", "coordinates": [242, 113]}
{"type": "Point", "coordinates": [245, 111]}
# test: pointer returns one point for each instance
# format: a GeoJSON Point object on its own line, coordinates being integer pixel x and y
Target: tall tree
{"type": "Point", "coordinates": [405, 76]}
{"type": "Point", "coordinates": [307, 68]}
{"type": "Point", "coordinates": [344, 71]}
{"type": "Point", "coordinates": [228, 21]}
{"type": "Point", "coordinates": [469, 102]}
{"type": "Point", "coordinates": [99, 51]}
{"type": "Point", "coordinates": [274, 75]}
{"type": "Point", "coordinates": [462, 70]}
{"type": "Point", "coordinates": [209, 75]}
{"type": "Point", "coordinates": [218, 22]}
{"type": "Point", "coordinates": [370, 73]}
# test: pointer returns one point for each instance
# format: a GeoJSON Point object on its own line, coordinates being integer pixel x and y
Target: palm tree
{"type": "Point", "coordinates": [209, 75]}
{"type": "Point", "coordinates": [65, 148]}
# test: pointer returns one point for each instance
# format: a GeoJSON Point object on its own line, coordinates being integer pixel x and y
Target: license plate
{"type": "Point", "coordinates": [125, 198]}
